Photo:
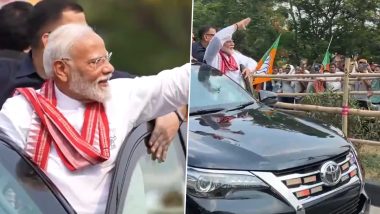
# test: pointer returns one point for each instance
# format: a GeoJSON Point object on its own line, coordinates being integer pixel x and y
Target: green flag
{"type": "Point", "coordinates": [326, 62]}
{"type": "Point", "coordinates": [326, 58]}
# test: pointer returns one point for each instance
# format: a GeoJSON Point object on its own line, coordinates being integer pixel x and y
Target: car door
{"type": "Point", "coordinates": [142, 185]}
{"type": "Point", "coordinates": [24, 188]}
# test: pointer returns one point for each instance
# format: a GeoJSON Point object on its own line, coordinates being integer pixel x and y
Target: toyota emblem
{"type": "Point", "coordinates": [330, 173]}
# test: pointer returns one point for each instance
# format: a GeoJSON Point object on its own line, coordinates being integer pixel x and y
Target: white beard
{"type": "Point", "coordinates": [89, 90]}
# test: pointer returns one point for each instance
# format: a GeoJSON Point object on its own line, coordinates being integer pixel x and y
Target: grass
{"type": "Point", "coordinates": [370, 159]}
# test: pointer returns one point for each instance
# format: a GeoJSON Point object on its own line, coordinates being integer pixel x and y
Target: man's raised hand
{"type": "Point", "coordinates": [241, 25]}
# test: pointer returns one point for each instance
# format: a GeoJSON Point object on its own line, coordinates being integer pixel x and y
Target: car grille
{"type": "Point", "coordinates": [306, 182]}
{"type": "Point", "coordinates": [350, 207]}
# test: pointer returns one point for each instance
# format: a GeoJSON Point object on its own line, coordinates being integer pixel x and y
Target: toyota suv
{"type": "Point", "coordinates": [245, 157]}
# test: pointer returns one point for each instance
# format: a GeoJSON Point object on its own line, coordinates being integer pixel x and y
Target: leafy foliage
{"type": "Point", "coordinates": [145, 36]}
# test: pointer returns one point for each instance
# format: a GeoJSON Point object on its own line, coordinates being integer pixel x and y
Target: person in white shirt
{"type": "Point", "coordinates": [66, 126]}
{"type": "Point", "coordinates": [299, 86]}
{"type": "Point", "coordinates": [220, 54]}
{"type": "Point", "coordinates": [287, 86]}
{"type": "Point", "coordinates": [361, 66]}
{"type": "Point", "coordinates": [334, 83]}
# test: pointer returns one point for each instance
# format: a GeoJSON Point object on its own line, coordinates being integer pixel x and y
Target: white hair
{"type": "Point", "coordinates": [60, 42]}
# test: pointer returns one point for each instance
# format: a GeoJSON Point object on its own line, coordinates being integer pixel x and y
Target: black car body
{"type": "Point", "coordinates": [244, 157]}
{"type": "Point", "coordinates": [24, 188]}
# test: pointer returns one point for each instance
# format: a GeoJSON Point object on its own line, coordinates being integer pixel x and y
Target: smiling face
{"type": "Point", "coordinates": [88, 70]}
{"type": "Point", "coordinates": [228, 47]}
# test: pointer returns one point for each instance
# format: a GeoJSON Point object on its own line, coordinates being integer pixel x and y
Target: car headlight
{"type": "Point", "coordinates": [354, 157]}
{"type": "Point", "coordinates": [222, 184]}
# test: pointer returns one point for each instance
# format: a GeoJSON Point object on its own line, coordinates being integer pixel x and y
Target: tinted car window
{"type": "Point", "coordinates": [209, 88]}
{"type": "Point", "coordinates": [21, 188]}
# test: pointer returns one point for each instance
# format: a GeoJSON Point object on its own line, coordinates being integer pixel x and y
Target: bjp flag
{"type": "Point", "coordinates": [326, 62]}
{"type": "Point", "coordinates": [265, 65]}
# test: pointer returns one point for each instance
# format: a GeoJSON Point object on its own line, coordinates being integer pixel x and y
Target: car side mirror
{"type": "Point", "coordinates": [268, 97]}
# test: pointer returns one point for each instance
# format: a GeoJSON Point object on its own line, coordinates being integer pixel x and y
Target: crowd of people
{"type": "Point", "coordinates": [216, 48]}
{"type": "Point", "coordinates": [328, 83]}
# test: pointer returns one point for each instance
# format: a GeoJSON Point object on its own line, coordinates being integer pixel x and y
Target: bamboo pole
{"type": "Point", "coordinates": [294, 75]}
{"type": "Point", "coordinates": [312, 80]}
{"type": "Point", "coordinates": [364, 74]}
{"type": "Point", "coordinates": [308, 107]}
{"type": "Point", "coordinates": [337, 92]}
{"type": "Point", "coordinates": [346, 90]}
{"type": "Point", "coordinates": [287, 76]}
{"type": "Point", "coordinates": [313, 108]}
{"type": "Point", "coordinates": [369, 142]}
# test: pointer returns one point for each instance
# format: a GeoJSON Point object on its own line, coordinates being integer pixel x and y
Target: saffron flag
{"type": "Point", "coordinates": [265, 65]}
{"type": "Point", "coordinates": [326, 62]}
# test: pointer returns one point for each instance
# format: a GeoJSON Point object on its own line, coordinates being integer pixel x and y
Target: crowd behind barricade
{"type": "Point", "coordinates": [217, 49]}
{"type": "Point", "coordinates": [328, 83]}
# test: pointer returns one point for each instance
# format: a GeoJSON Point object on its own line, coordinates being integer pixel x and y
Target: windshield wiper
{"type": "Point", "coordinates": [241, 106]}
{"type": "Point", "coordinates": [206, 111]}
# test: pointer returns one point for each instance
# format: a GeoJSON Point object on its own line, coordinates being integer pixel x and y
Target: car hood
{"type": "Point", "coordinates": [259, 139]}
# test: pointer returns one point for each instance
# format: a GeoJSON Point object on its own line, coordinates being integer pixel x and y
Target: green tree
{"type": "Point", "coordinates": [145, 36]}
{"type": "Point", "coordinates": [306, 26]}
{"type": "Point", "coordinates": [354, 26]}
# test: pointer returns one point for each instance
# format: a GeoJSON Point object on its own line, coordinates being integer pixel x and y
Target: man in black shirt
{"type": "Point", "coordinates": [205, 34]}
{"type": "Point", "coordinates": [14, 40]}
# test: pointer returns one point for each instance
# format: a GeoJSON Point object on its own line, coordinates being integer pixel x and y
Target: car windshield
{"type": "Point", "coordinates": [211, 90]}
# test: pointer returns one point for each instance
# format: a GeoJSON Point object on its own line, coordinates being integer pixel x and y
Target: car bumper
{"type": "Point", "coordinates": [349, 200]}
{"type": "Point", "coordinates": [260, 203]}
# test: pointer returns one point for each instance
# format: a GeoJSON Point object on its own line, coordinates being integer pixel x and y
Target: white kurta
{"type": "Point", "coordinates": [287, 86]}
{"type": "Point", "coordinates": [336, 85]}
{"type": "Point", "coordinates": [297, 85]}
{"type": "Point", "coordinates": [212, 56]}
{"type": "Point", "coordinates": [133, 101]}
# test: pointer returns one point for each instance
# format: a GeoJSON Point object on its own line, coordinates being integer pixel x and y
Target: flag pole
{"type": "Point", "coordinates": [330, 43]}
{"type": "Point", "coordinates": [326, 55]}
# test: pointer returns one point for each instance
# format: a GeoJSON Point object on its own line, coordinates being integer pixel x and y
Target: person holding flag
{"type": "Point", "coordinates": [220, 53]}
{"type": "Point", "coordinates": [319, 83]}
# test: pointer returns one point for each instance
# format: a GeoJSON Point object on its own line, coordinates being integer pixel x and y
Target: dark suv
{"type": "Point", "coordinates": [244, 157]}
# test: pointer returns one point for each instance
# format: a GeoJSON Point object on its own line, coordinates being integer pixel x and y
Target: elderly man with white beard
{"type": "Point", "coordinates": [220, 53]}
{"type": "Point", "coordinates": [66, 125]}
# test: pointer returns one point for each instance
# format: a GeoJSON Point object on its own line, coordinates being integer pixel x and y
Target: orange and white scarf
{"type": "Point", "coordinates": [75, 149]}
